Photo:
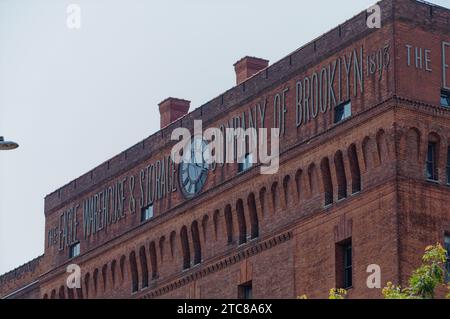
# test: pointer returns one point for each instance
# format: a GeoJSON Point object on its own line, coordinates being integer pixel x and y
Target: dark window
{"type": "Point", "coordinates": [445, 98]}
{"type": "Point", "coordinates": [74, 250]}
{"type": "Point", "coordinates": [246, 164]}
{"type": "Point", "coordinates": [185, 248]}
{"type": "Point", "coordinates": [134, 272]}
{"type": "Point", "coordinates": [147, 213]}
{"type": "Point", "coordinates": [447, 261]}
{"type": "Point", "coordinates": [348, 266]}
{"type": "Point", "coordinates": [196, 242]}
{"type": "Point", "coordinates": [144, 266]}
{"type": "Point", "coordinates": [431, 162]}
{"type": "Point", "coordinates": [254, 225]}
{"type": "Point", "coordinates": [153, 260]}
{"type": "Point", "coordinates": [354, 169]}
{"type": "Point", "coordinates": [245, 291]}
{"type": "Point", "coordinates": [344, 264]}
{"type": "Point", "coordinates": [448, 166]}
{"type": "Point", "coordinates": [340, 173]}
{"type": "Point", "coordinates": [327, 183]}
{"type": "Point", "coordinates": [229, 224]}
{"type": "Point", "coordinates": [342, 111]}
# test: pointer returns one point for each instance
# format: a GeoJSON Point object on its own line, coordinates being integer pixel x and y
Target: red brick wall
{"type": "Point", "coordinates": [390, 221]}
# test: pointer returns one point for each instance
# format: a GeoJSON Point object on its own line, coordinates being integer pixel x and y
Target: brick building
{"type": "Point", "coordinates": [364, 118]}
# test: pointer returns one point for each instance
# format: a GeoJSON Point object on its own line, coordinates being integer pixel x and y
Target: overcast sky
{"type": "Point", "coordinates": [74, 98]}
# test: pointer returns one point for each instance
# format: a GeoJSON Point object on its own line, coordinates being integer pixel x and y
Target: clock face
{"type": "Point", "coordinates": [193, 170]}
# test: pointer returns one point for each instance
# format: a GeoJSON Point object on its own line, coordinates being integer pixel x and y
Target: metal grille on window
{"type": "Point", "coordinates": [431, 161]}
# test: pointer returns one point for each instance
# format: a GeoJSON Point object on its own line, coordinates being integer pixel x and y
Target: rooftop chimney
{"type": "Point", "coordinates": [171, 109]}
{"type": "Point", "coordinates": [247, 67]}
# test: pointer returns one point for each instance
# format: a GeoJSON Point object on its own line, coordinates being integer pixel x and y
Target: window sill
{"type": "Point", "coordinates": [434, 181]}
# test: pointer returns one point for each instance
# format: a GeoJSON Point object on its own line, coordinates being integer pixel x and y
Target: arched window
{"type": "Point", "coordinates": [327, 183]}
{"type": "Point", "coordinates": [354, 169]}
{"type": "Point", "coordinates": [95, 279]}
{"type": "Point", "coordinates": [61, 293]}
{"type": "Point", "coordinates": [122, 268]}
{"type": "Point", "coordinates": [113, 272]}
{"type": "Point", "coordinates": [448, 165]}
{"type": "Point", "coordinates": [369, 152]}
{"type": "Point", "coordinates": [382, 146]}
{"type": "Point", "coordinates": [105, 276]}
{"type": "Point", "coordinates": [275, 197]}
{"type": "Point", "coordinates": [241, 222]}
{"type": "Point", "coordinates": [298, 182]}
{"type": "Point", "coordinates": [185, 248]}
{"type": "Point", "coordinates": [432, 159]}
{"type": "Point", "coordinates": [262, 200]}
{"type": "Point", "coordinates": [134, 272]}
{"type": "Point", "coordinates": [144, 267]}
{"type": "Point", "coordinates": [70, 293]}
{"type": "Point", "coordinates": [87, 279]}
{"type": "Point", "coordinates": [251, 202]}
{"type": "Point", "coordinates": [162, 244]}
{"type": "Point", "coordinates": [153, 260]}
{"type": "Point", "coordinates": [229, 223]}
{"type": "Point", "coordinates": [196, 242]}
{"type": "Point", "coordinates": [172, 243]}
{"type": "Point", "coordinates": [53, 294]}
{"type": "Point", "coordinates": [340, 174]}
{"type": "Point", "coordinates": [79, 293]}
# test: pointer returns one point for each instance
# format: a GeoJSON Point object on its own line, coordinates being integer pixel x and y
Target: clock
{"type": "Point", "coordinates": [193, 170]}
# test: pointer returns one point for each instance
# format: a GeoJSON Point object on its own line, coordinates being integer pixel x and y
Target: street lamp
{"type": "Point", "coordinates": [5, 145]}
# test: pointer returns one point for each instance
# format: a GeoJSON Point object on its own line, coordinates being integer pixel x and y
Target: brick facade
{"type": "Point", "coordinates": [276, 231]}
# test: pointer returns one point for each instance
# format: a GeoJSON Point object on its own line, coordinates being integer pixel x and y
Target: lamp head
{"type": "Point", "coordinates": [7, 145]}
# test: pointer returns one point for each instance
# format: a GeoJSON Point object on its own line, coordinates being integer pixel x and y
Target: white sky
{"type": "Point", "coordinates": [74, 98]}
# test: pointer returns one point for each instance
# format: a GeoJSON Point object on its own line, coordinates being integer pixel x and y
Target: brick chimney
{"type": "Point", "coordinates": [171, 109]}
{"type": "Point", "coordinates": [247, 67]}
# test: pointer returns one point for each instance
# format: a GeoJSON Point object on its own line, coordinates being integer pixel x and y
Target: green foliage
{"type": "Point", "coordinates": [422, 283]}
{"type": "Point", "coordinates": [393, 292]}
{"type": "Point", "coordinates": [334, 294]}
{"type": "Point", "coordinates": [424, 280]}
{"type": "Point", "coordinates": [337, 294]}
